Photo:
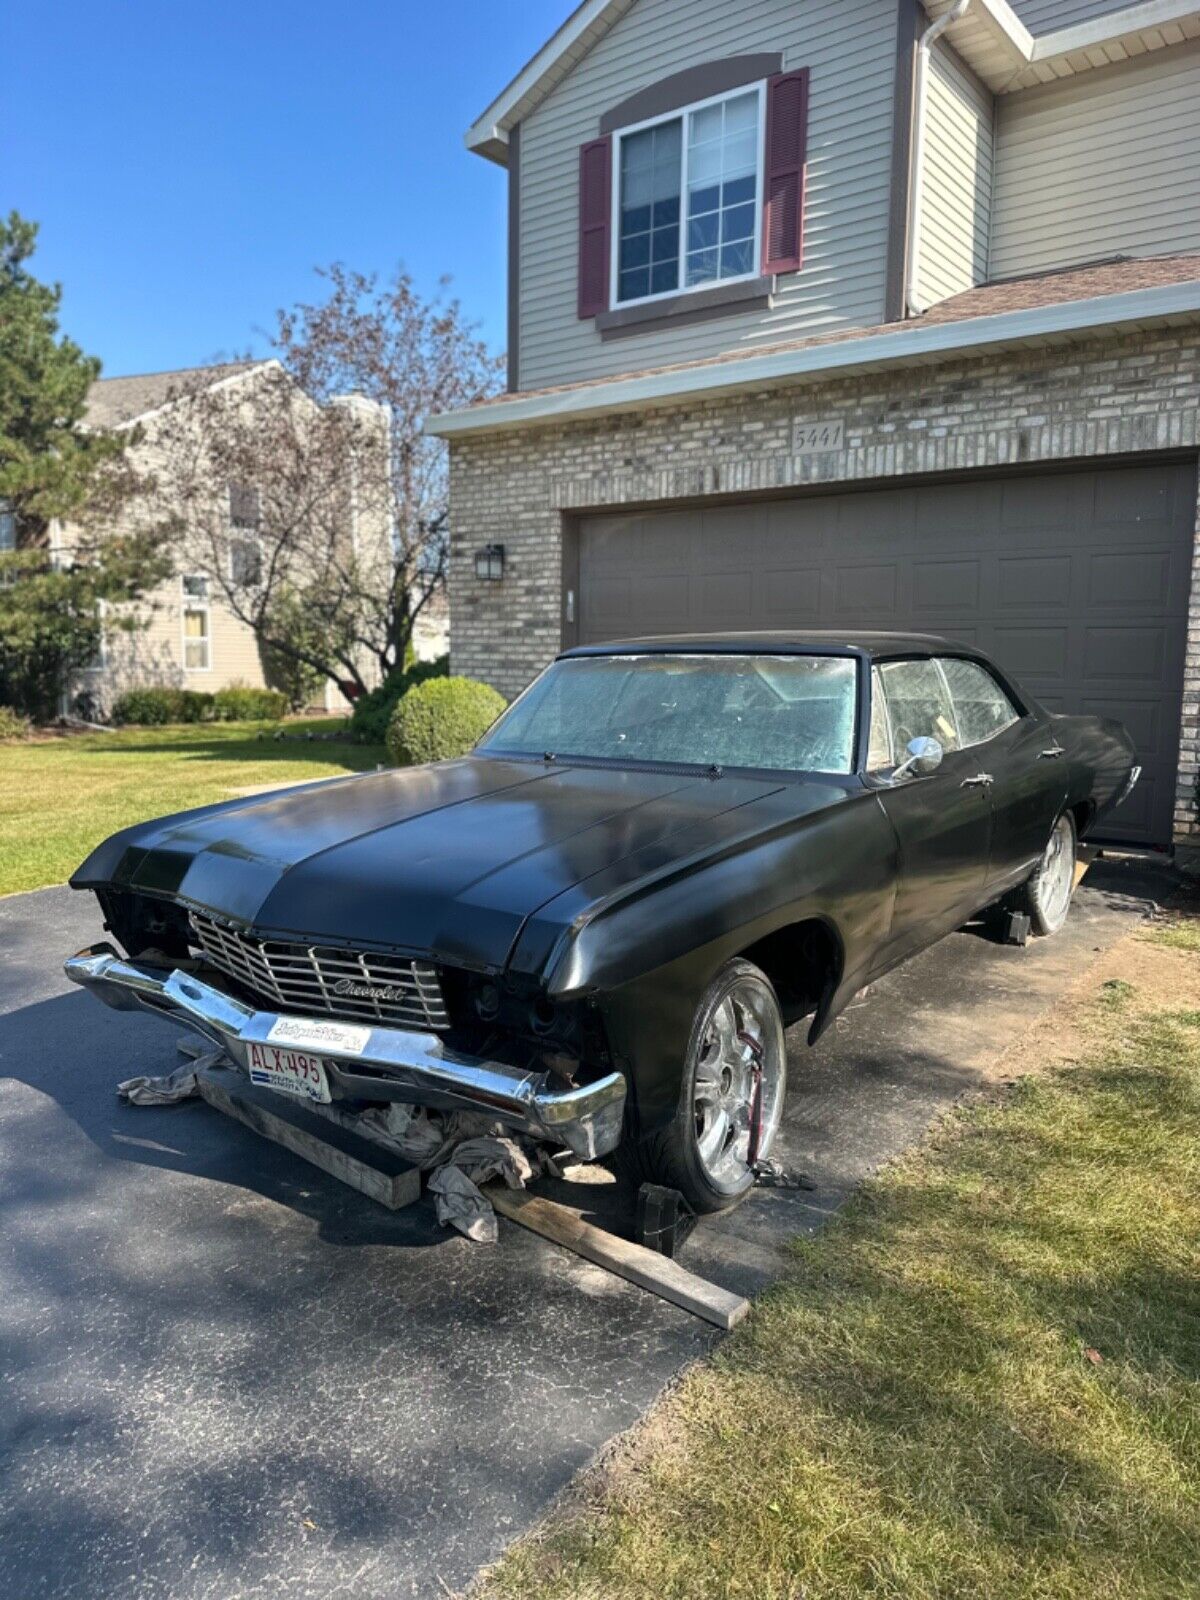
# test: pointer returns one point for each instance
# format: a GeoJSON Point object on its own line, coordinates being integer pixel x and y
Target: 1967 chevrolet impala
{"type": "Point", "coordinates": [597, 925]}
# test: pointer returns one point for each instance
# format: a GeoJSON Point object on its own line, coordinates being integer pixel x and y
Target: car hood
{"type": "Point", "coordinates": [448, 860]}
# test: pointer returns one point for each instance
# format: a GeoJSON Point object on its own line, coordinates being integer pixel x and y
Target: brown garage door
{"type": "Point", "coordinates": [1076, 582]}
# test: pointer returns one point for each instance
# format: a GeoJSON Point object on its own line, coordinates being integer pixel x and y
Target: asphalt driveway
{"type": "Point", "coordinates": [222, 1375]}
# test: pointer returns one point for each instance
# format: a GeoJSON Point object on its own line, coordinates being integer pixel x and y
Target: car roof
{"type": "Point", "coordinates": [824, 642]}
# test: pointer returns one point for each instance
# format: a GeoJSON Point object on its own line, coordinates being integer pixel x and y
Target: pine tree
{"type": "Point", "coordinates": [48, 462]}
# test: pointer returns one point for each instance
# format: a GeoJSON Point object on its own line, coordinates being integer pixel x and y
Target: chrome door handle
{"type": "Point", "coordinates": [1052, 754]}
{"type": "Point", "coordinates": [981, 780]}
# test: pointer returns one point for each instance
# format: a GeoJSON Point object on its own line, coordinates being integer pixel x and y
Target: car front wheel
{"type": "Point", "coordinates": [1046, 897]}
{"type": "Point", "coordinates": [731, 1102]}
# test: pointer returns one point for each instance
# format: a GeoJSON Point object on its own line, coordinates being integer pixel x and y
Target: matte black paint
{"type": "Point", "coordinates": [629, 887]}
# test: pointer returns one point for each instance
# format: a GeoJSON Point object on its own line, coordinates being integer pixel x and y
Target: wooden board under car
{"type": "Point", "coordinates": [316, 1136]}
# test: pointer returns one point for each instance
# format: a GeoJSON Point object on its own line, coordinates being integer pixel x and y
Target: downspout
{"type": "Point", "coordinates": [916, 187]}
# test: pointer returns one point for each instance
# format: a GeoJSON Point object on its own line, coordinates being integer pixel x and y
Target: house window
{"type": "Point", "coordinates": [688, 198]}
{"type": "Point", "coordinates": [245, 563]}
{"type": "Point", "coordinates": [197, 624]}
{"type": "Point", "coordinates": [245, 509]}
{"type": "Point", "coordinates": [100, 660]}
{"type": "Point", "coordinates": [8, 530]}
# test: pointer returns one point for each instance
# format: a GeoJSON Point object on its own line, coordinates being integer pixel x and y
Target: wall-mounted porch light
{"type": "Point", "coordinates": [489, 563]}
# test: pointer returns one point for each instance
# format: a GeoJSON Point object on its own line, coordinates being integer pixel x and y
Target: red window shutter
{"type": "Point", "coordinates": [595, 210]}
{"type": "Point", "coordinates": [783, 178]}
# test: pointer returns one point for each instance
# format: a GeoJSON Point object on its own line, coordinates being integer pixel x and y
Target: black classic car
{"type": "Point", "coordinates": [598, 924]}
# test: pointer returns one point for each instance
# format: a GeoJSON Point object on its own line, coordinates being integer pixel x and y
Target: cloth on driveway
{"type": "Point", "coordinates": [170, 1090]}
{"type": "Point", "coordinates": [460, 1149]}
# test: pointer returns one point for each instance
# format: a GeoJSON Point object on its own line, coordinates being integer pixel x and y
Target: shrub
{"type": "Point", "coordinates": [239, 703]}
{"type": "Point", "coordinates": [13, 724]}
{"type": "Point", "coordinates": [441, 718]}
{"type": "Point", "coordinates": [157, 706]}
{"type": "Point", "coordinates": [372, 714]}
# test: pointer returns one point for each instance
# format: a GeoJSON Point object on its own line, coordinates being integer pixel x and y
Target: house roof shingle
{"type": "Point", "coordinates": [114, 401]}
{"type": "Point", "coordinates": [1119, 275]}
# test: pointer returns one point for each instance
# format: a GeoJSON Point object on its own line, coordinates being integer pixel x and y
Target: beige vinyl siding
{"type": "Point", "coordinates": [957, 193]}
{"type": "Point", "coordinates": [1101, 165]}
{"type": "Point", "coordinates": [1047, 16]}
{"type": "Point", "coordinates": [850, 47]}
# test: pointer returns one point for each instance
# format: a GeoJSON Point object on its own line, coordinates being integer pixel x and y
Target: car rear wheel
{"type": "Point", "coordinates": [731, 1101]}
{"type": "Point", "coordinates": [1045, 897]}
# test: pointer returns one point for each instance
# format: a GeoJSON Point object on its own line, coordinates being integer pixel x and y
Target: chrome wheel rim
{"type": "Point", "coordinates": [1057, 877]}
{"type": "Point", "coordinates": [743, 1027]}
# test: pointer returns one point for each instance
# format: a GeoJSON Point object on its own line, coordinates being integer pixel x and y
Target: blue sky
{"type": "Point", "coordinates": [191, 163]}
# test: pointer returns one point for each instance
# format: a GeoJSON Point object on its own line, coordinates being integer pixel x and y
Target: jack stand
{"type": "Point", "coordinates": [664, 1219]}
{"type": "Point", "coordinates": [1014, 928]}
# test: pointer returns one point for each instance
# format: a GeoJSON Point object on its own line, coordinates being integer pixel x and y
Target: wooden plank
{"type": "Point", "coordinates": [649, 1270]}
{"type": "Point", "coordinates": [325, 1142]}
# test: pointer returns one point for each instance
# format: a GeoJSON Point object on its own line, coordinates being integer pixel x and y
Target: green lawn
{"type": "Point", "coordinates": [982, 1382]}
{"type": "Point", "coordinates": [60, 797]}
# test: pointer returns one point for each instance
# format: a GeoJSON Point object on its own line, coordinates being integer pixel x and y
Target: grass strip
{"type": "Point", "coordinates": [981, 1380]}
{"type": "Point", "coordinates": [60, 797]}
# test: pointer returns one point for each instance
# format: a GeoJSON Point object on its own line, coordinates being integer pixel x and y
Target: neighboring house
{"type": "Point", "coordinates": [431, 631]}
{"type": "Point", "coordinates": [190, 637]}
{"type": "Point", "coordinates": [868, 314]}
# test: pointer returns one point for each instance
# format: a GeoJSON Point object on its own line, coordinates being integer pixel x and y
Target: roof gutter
{"type": "Point", "coordinates": [911, 344]}
{"type": "Point", "coordinates": [916, 187]}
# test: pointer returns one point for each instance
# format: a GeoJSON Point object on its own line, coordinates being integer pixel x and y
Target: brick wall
{"type": "Point", "coordinates": [1074, 402]}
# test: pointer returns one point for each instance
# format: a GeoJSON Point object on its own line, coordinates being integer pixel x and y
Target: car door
{"type": "Point", "coordinates": [942, 820]}
{"type": "Point", "coordinates": [1019, 753]}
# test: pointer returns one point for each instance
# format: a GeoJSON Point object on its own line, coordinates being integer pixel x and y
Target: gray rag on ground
{"type": "Point", "coordinates": [460, 1149]}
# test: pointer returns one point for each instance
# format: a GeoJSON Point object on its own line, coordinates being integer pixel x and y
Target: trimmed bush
{"type": "Point", "coordinates": [158, 706]}
{"type": "Point", "coordinates": [372, 714]}
{"type": "Point", "coordinates": [13, 724]}
{"type": "Point", "coordinates": [238, 703]}
{"type": "Point", "coordinates": [441, 718]}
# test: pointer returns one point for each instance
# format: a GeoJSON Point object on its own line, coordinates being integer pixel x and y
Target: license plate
{"type": "Point", "coordinates": [289, 1071]}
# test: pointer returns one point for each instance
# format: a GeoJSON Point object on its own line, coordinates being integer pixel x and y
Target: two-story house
{"type": "Point", "coordinates": [870, 313]}
{"type": "Point", "coordinates": [190, 636]}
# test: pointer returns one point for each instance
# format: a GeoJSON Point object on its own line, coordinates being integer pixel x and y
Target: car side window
{"type": "Point", "coordinates": [879, 747]}
{"type": "Point", "coordinates": [980, 704]}
{"type": "Point", "coordinates": [918, 704]}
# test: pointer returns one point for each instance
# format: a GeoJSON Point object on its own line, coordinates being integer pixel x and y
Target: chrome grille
{"type": "Point", "coordinates": [322, 978]}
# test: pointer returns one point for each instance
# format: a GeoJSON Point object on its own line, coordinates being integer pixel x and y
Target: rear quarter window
{"type": "Point", "coordinates": [981, 706]}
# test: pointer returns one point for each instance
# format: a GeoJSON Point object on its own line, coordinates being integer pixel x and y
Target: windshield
{"type": "Point", "coordinates": [785, 713]}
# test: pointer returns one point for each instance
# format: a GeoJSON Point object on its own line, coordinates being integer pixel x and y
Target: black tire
{"type": "Point", "coordinates": [672, 1157]}
{"type": "Point", "coordinates": [1041, 897]}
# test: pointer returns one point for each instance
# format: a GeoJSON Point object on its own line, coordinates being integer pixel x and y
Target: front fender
{"type": "Point", "coordinates": [648, 957]}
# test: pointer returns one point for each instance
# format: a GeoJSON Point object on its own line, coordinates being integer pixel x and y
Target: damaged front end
{"type": "Point", "coordinates": [383, 1027]}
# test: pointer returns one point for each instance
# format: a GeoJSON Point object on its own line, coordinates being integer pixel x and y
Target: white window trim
{"type": "Point", "coordinates": [683, 113]}
{"type": "Point", "coordinates": [190, 603]}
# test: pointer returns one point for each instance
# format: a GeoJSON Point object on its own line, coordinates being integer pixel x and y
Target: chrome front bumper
{"type": "Point", "coordinates": [394, 1064]}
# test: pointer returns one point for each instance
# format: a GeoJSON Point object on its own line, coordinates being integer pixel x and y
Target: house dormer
{"type": "Point", "coordinates": [691, 180]}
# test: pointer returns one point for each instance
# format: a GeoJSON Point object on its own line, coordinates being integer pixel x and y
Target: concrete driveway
{"type": "Point", "coordinates": [222, 1375]}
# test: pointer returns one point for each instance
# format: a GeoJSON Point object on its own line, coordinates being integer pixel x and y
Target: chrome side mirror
{"type": "Point", "coordinates": [924, 757]}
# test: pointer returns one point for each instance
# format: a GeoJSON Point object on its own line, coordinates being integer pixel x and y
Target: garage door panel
{"type": "Point", "coordinates": [1042, 652]}
{"type": "Point", "coordinates": [1035, 583]}
{"type": "Point", "coordinates": [1136, 817]}
{"type": "Point", "coordinates": [1076, 582]}
{"type": "Point", "coordinates": [791, 597]}
{"type": "Point", "coordinates": [867, 591]}
{"type": "Point", "coordinates": [724, 600]}
{"type": "Point", "coordinates": [1033, 506]}
{"type": "Point", "coordinates": [947, 586]}
{"type": "Point", "coordinates": [1136, 495]}
{"type": "Point", "coordinates": [1125, 655]}
{"type": "Point", "coordinates": [1131, 577]}
{"type": "Point", "coordinates": [957, 508]}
